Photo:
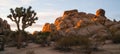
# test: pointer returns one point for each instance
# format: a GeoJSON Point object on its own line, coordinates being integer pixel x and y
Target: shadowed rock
{"type": "Point", "coordinates": [100, 12]}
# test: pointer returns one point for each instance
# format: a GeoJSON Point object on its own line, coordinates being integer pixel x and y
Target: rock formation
{"type": "Point", "coordinates": [49, 27]}
{"type": "Point", "coordinates": [4, 26]}
{"type": "Point", "coordinates": [82, 24]}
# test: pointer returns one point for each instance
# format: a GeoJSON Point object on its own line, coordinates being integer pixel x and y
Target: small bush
{"type": "Point", "coordinates": [66, 43]}
{"type": "Point", "coordinates": [38, 40]}
{"type": "Point", "coordinates": [41, 38]}
{"type": "Point", "coordinates": [30, 52]}
{"type": "Point", "coordinates": [116, 38]}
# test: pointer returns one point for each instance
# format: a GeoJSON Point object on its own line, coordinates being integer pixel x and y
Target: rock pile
{"type": "Point", "coordinates": [82, 24]}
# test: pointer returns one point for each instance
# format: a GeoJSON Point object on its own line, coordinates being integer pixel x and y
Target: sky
{"type": "Point", "coordinates": [49, 10]}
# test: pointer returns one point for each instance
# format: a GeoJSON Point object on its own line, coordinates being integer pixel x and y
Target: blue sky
{"type": "Point", "coordinates": [49, 10]}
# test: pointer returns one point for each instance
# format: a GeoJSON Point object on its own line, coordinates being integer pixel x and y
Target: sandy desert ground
{"type": "Point", "coordinates": [36, 49]}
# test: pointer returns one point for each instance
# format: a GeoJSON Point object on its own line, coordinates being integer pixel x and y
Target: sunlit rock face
{"type": "Point", "coordinates": [82, 24]}
{"type": "Point", "coordinates": [4, 26]}
{"type": "Point", "coordinates": [100, 12]}
{"type": "Point", "coordinates": [49, 27]}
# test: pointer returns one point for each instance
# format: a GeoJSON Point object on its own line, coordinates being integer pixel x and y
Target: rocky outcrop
{"type": "Point", "coordinates": [100, 12]}
{"type": "Point", "coordinates": [4, 26]}
{"type": "Point", "coordinates": [82, 24]}
{"type": "Point", "coordinates": [48, 27]}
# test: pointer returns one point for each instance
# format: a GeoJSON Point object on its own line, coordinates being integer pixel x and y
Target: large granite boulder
{"type": "Point", "coordinates": [82, 24]}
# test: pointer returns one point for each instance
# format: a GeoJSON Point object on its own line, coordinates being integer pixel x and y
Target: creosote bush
{"type": "Point", "coordinates": [41, 37]}
{"type": "Point", "coordinates": [65, 43]}
{"type": "Point", "coordinates": [11, 39]}
{"type": "Point", "coordinates": [116, 38]}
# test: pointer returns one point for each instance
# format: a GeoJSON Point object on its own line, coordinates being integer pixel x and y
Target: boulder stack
{"type": "Point", "coordinates": [82, 24]}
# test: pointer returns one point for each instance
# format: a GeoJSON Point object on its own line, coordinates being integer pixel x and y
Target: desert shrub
{"type": "Point", "coordinates": [41, 37]}
{"type": "Point", "coordinates": [54, 37]}
{"type": "Point", "coordinates": [65, 43]}
{"type": "Point", "coordinates": [2, 43]}
{"type": "Point", "coordinates": [116, 38]}
{"type": "Point", "coordinates": [30, 52]}
{"type": "Point", "coordinates": [38, 40]}
{"type": "Point", "coordinates": [12, 36]}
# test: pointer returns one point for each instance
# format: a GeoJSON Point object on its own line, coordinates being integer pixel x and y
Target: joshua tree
{"type": "Point", "coordinates": [23, 16]}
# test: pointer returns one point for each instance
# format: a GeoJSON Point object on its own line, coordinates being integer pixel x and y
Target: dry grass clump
{"type": "Point", "coordinates": [30, 52]}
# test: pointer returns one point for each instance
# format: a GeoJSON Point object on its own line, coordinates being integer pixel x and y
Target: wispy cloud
{"type": "Point", "coordinates": [25, 2]}
{"type": "Point", "coordinates": [49, 4]}
{"type": "Point", "coordinates": [48, 16]}
{"type": "Point", "coordinates": [14, 3]}
{"type": "Point", "coordinates": [6, 3]}
{"type": "Point", "coordinates": [34, 27]}
{"type": "Point", "coordinates": [49, 13]}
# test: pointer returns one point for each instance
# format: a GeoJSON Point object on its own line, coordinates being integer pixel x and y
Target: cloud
{"type": "Point", "coordinates": [48, 4]}
{"type": "Point", "coordinates": [6, 3]}
{"type": "Point", "coordinates": [14, 3]}
{"type": "Point", "coordinates": [49, 13]}
{"type": "Point", "coordinates": [25, 2]}
{"type": "Point", "coordinates": [48, 16]}
{"type": "Point", "coordinates": [34, 27]}
{"type": "Point", "coordinates": [10, 3]}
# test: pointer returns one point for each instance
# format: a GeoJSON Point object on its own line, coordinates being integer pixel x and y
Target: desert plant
{"type": "Point", "coordinates": [116, 39]}
{"type": "Point", "coordinates": [23, 16]}
{"type": "Point", "coordinates": [2, 42]}
{"type": "Point", "coordinates": [41, 38]}
{"type": "Point", "coordinates": [67, 42]}
{"type": "Point", "coordinates": [30, 52]}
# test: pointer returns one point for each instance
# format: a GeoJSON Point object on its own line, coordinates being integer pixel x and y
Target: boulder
{"type": "Point", "coordinates": [48, 27]}
{"type": "Point", "coordinates": [82, 24]}
{"type": "Point", "coordinates": [100, 12]}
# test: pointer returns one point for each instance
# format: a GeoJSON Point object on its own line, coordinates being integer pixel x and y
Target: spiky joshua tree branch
{"type": "Point", "coordinates": [26, 16]}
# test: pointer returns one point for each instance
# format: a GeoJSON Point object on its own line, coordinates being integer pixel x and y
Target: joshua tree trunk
{"type": "Point", "coordinates": [19, 40]}
{"type": "Point", "coordinates": [25, 37]}
{"type": "Point", "coordinates": [18, 27]}
{"type": "Point", "coordinates": [18, 37]}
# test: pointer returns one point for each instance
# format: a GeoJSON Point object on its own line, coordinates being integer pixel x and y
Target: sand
{"type": "Point", "coordinates": [31, 48]}
{"type": "Point", "coordinates": [36, 49]}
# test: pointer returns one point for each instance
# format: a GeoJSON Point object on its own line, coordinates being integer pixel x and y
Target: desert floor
{"type": "Point", "coordinates": [36, 49]}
